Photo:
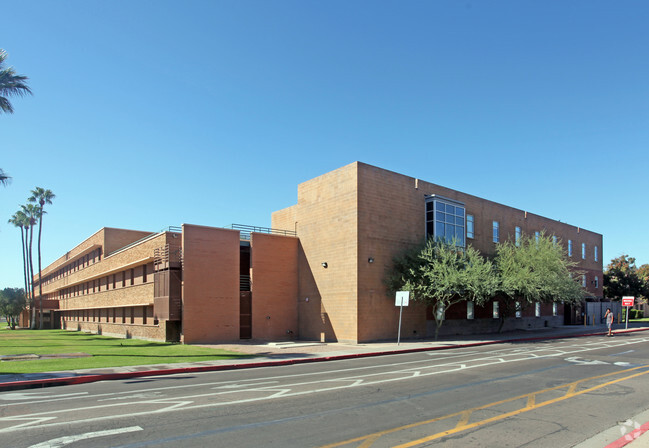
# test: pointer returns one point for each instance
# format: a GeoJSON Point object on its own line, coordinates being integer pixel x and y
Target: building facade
{"type": "Point", "coordinates": [353, 221]}
{"type": "Point", "coordinates": [321, 277]}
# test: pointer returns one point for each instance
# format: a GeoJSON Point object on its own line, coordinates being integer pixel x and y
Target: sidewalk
{"type": "Point", "coordinates": [286, 353]}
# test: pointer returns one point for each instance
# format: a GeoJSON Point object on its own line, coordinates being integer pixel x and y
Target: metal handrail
{"type": "Point", "coordinates": [246, 230]}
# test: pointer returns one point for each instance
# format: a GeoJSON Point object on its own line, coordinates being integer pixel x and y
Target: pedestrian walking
{"type": "Point", "coordinates": [609, 321]}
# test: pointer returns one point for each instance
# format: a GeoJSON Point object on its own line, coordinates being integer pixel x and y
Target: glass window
{"type": "Point", "coordinates": [469, 310]}
{"type": "Point", "coordinates": [596, 282]}
{"type": "Point", "coordinates": [537, 235]}
{"type": "Point", "coordinates": [496, 310]}
{"type": "Point", "coordinates": [518, 236]}
{"type": "Point", "coordinates": [469, 226]}
{"type": "Point", "coordinates": [518, 310]}
{"type": "Point", "coordinates": [448, 221]}
{"type": "Point", "coordinates": [583, 251]}
{"type": "Point", "coordinates": [555, 309]}
{"type": "Point", "coordinates": [496, 231]}
{"type": "Point", "coordinates": [554, 240]}
{"type": "Point", "coordinates": [537, 309]}
{"type": "Point", "coordinates": [570, 248]}
{"type": "Point", "coordinates": [440, 312]}
{"type": "Point", "coordinates": [596, 256]}
{"type": "Point", "coordinates": [583, 280]}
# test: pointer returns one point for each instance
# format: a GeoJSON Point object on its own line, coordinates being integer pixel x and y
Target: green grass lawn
{"type": "Point", "coordinates": [104, 351]}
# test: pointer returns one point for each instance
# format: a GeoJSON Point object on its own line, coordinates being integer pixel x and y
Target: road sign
{"type": "Point", "coordinates": [402, 298]}
{"type": "Point", "coordinates": [628, 300]}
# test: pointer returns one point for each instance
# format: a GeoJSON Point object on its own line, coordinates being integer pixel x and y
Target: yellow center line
{"type": "Point", "coordinates": [464, 419]}
{"type": "Point", "coordinates": [531, 400]}
{"type": "Point", "coordinates": [464, 415]}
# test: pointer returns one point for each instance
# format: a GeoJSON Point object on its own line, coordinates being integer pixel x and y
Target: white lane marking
{"type": "Point", "coordinates": [406, 374]}
{"type": "Point", "coordinates": [510, 351]}
{"type": "Point", "coordinates": [585, 362]}
{"type": "Point", "coordinates": [15, 396]}
{"type": "Point", "coordinates": [62, 441]}
{"type": "Point", "coordinates": [622, 353]}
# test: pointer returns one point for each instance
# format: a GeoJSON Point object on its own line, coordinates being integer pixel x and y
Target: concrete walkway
{"type": "Point", "coordinates": [273, 354]}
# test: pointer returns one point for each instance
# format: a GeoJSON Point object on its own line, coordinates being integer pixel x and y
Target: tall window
{"type": "Point", "coordinates": [583, 280]}
{"type": "Point", "coordinates": [518, 236]}
{"type": "Point", "coordinates": [583, 251]}
{"type": "Point", "coordinates": [555, 309]}
{"type": "Point", "coordinates": [537, 235]}
{"type": "Point", "coordinates": [596, 282]}
{"type": "Point", "coordinates": [570, 248]}
{"type": "Point", "coordinates": [496, 310]}
{"type": "Point", "coordinates": [537, 309]}
{"type": "Point", "coordinates": [445, 220]}
{"type": "Point", "coordinates": [554, 240]}
{"type": "Point", "coordinates": [469, 310]}
{"type": "Point", "coordinates": [496, 231]}
{"type": "Point", "coordinates": [470, 226]}
{"type": "Point", "coordinates": [596, 256]}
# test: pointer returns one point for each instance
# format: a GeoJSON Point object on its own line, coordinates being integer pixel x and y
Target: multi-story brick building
{"type": "Point", "coordinates": [321, 277]}
{"type": "Point", "coordinates": [353, 221]}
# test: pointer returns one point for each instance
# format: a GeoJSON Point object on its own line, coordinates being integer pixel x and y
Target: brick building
{"type": "Point", "coordinates": [320, 277]}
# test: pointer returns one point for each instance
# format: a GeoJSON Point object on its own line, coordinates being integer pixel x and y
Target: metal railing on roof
{"type": "Point", "coordinates": [246, 230]}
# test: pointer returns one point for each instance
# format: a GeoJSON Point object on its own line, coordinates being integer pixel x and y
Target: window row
{"type": "Point", "coordinates": [78, 264]}
{"type": "Point", "coordinates": [136, 315]}
{"type": "Point", "coordinates": [473, 311]}
{"type": "Point", "coordinates": [129, 277]}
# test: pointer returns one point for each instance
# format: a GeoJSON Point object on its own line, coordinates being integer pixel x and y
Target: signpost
{"type": "Point", "coordinates": [401, 301]}
{"type": "Point", "coordinates": [628, 302]}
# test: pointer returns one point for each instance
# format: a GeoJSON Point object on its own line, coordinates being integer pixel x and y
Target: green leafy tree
{"type": "Point", "coordinates": [11, 84]}
{"type": "Point", "coordinates": [621, 279]}
{"type": "Point", "coordinates": [440, 275]}
{"type": "Point", "coordinates": [41, 196]}
{"type": "Point", "coordinates": [643, 275]}
{"type": "Point", "coordinates": [536, 269]}
{"type": "Point", "coordinates": [12, 303]}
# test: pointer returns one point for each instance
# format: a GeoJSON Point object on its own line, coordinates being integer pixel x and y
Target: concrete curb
{"type": "Point", "coordinates": [631, 437]}
{"type": "Point", "coordinates": [90, 378]}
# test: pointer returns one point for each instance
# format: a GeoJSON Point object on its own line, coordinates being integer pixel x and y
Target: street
{"type": "Point", "coordinates": [536, 394]}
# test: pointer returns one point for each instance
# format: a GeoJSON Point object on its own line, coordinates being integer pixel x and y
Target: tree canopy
{"type": "Point", "coordinates": [623, 278]}
{"type": "Point", "coordinates": [11, 84]}
{"type": "Point", "coordinates": [535, 269]}
{"type": "Point", "coordinates": [440, 274]}
{"type": "Point", "coordinates": [12, 303]}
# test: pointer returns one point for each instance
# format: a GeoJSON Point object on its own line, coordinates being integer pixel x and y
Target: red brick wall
{"type": "Point", "coordinates": [210, 284]}
{"type": "Point", "coordinates": [274, 286]}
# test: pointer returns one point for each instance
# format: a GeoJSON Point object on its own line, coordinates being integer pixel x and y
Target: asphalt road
{"type": "Point", "coordinates": [556, 393]}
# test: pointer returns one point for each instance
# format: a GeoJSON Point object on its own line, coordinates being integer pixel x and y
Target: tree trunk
{"type": "Point", "coordinates": [40, 285]}
{"type": "Point", "coordinates": [25, 276]}
{"type": "Point", "coordinates": [502, 322]}
{"type": "Point", "coordinates": [31, 277]}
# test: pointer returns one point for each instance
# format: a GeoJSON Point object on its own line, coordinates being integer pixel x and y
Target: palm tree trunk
{"type": "Point", "coordinates": [25, 271]}
{"type": "Point", "coordinates": [40, 285]}
{"type": "Point", "coordinates": [31, 276]}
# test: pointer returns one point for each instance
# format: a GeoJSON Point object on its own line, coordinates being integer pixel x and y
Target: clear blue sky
{"type": "Point", "coordinates": [147, 114]}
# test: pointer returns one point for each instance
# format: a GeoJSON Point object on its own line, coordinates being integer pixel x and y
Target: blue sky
{"type": "Point", "coordinates": [148, 114]}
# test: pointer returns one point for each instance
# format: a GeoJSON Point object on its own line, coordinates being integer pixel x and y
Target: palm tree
{"type": "Point", "coordinates": [31, 211]}
{"type": "Point", "coordinates": [42, 196]}
{"type": "Point", "coordinates": [4, 177]}
{"type": "Point", "coordinates": [20, 220]}
{"type": "Point", "coordinates": [11, 84]}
